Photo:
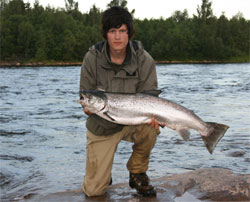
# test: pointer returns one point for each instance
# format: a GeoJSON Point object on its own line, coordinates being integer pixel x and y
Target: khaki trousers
{"type": "Point", "coordinates": [101, 150]}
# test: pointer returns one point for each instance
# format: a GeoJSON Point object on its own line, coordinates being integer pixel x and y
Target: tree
{"type": "Point", "coordinates": [3, 4]}
{"type": "Point", "coordinates": [41, 47]}
{"type": "Point", "coordinates": [240, 34]}
{"type": "Point", "coordinates": [71, 5]}
{"type": "Point", "coordinates": [94, 16]}
{"type": "Point", "coordinates": [122, 3]}
{"type": "Point", "coordinates": [205, 11]}
{"type": "Point", "coordinates": [25, 39]}
{"type": "Point", "coordinates": [68, 42]}
{"type": "Point", "coordinates": [15, 7]}
{"type": "Point", "coordinates": [179, 16]}
{"type": "Point", "coordinates": [72, 9]}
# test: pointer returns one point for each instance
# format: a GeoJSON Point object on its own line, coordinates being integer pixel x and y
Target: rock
{"type": "Point", "coordinates": [207, 184]}
{"type": "Point", "coordinates": [236, 153]}
{"type": "Point", "coordinates": [214, 184]}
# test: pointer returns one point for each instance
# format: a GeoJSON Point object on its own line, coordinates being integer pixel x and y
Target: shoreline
{"type": "Point", "coordinates": [209, 184]}
{"type": "Point", "coordinates": [45, 64]}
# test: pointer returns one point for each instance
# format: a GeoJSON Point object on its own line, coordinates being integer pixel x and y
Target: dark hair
{"type": "Point", "coordinates": [115, 17]}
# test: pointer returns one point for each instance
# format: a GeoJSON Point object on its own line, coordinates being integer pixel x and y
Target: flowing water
{"type": "Point", "coordinates": [42, 129]}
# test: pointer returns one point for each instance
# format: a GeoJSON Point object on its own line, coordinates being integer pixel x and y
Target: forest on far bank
{"type": "Point", "coordinates": [32, 33]}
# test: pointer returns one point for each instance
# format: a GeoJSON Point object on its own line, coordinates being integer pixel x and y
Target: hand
{"type": "Point", "coordinates": [154, 123]}
{"type": "Point", "coordinates": [86, 111]}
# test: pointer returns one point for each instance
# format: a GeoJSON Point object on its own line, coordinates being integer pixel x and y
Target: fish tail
{"type": "Point", "coordinates": [214, 137]}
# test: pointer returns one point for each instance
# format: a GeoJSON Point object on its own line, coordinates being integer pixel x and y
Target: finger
{"type": "Point", "coordinates": [153, 122]}
{"type": "Point", "coordinates": [156, 125]}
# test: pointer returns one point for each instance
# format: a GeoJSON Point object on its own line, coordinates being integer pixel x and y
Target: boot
{"type": "Point", "coordinates": [141, 183]}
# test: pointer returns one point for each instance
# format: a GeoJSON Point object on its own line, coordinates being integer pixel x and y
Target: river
{"type": "Point", "coordinates": [42, 129]}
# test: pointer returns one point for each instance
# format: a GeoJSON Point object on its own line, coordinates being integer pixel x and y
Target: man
{"type": "Point", "coordinates": [118, 65]}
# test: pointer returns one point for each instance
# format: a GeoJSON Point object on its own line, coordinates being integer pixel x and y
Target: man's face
{"type": "Point", "coordinates": [118, 38]}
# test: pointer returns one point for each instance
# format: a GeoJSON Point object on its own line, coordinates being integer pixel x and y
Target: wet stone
{"type": "Point", "coordinates": [237, 153]}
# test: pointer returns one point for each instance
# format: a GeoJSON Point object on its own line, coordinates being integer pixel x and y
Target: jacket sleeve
{"type": "Point", "coordinates": [88, 76]}
{"type": "Point", "coordinates": [148, 77]}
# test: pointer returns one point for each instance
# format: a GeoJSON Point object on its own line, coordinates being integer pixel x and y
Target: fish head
{"type": "Point", "coordinates": [94, 101]}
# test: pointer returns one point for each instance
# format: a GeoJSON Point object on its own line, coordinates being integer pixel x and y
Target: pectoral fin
{"type": "Point", "coordinates": [110, 118]}
{"type": "Point", "coordinates": [184, 133]}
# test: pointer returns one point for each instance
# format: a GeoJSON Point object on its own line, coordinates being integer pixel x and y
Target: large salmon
{"type": "Point", "coordinates": [134, 109]}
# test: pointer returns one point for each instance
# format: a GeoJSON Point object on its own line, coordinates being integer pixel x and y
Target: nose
{"type": "Point", "coordinates": [117, 35]}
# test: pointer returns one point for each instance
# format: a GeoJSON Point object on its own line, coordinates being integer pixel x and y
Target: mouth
{"type": "Point", "coordinates": [117, 43]}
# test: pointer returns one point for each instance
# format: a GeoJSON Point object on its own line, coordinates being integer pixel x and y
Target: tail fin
{"type": "Point", "coordinates": [218, 132]}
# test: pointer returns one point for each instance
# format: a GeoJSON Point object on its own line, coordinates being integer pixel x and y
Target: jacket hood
{"type": "Point", "coordinates": [99, 51]}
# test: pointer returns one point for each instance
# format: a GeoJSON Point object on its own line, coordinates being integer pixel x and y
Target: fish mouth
{"type": "Point", "coordinates": [78, 101]}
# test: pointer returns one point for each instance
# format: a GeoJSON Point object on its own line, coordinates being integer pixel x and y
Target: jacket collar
{"type": "Point", "coordinates": [129, 64]}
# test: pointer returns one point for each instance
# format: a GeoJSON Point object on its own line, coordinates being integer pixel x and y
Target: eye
{"type": "Point", "coordinates": [123, 31]}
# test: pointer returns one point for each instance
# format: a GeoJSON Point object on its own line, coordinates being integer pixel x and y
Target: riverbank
{"type": "Point", "coordinates": [44, 64]}
{"type": "Point", "coordinates": [207, 184]}
{"type": "Point", "coordinates": [38, 64]}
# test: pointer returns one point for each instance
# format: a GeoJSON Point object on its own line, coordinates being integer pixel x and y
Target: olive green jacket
{"type": "Point", "coordinates": [137, 74]}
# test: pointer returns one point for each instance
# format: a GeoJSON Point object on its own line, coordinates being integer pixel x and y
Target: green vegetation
{"type": "Point", "coordinates": [37, 34]}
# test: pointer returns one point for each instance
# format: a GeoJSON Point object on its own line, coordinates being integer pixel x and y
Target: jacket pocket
{"type": "Point", "coordinates": [125, 85]}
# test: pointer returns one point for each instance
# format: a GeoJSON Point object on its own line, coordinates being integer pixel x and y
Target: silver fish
{"type": "Point", "coordinates": [134, 109]}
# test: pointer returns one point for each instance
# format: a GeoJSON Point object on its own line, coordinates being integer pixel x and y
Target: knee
{"type": "Point", "coordinates": [148, 133]}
